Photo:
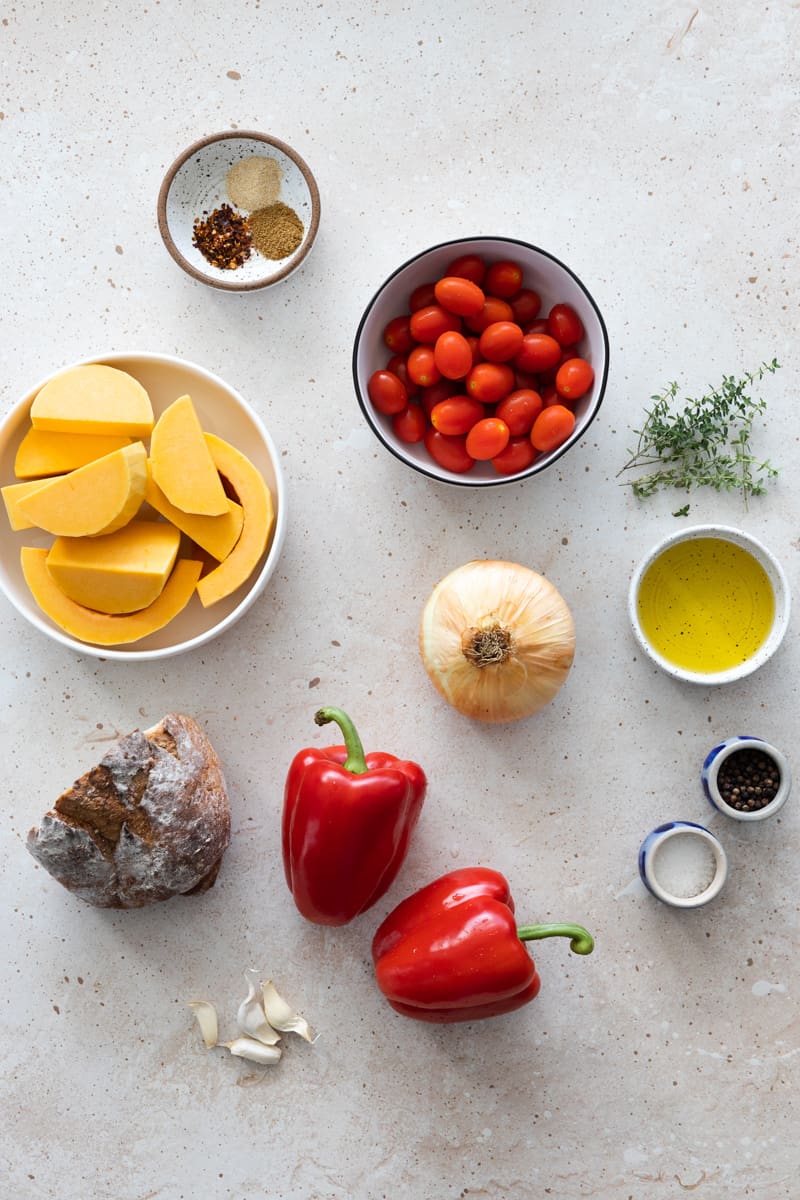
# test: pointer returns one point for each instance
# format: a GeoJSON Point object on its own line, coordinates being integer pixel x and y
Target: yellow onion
{"type": "Point", "coordinates": [497, 640]}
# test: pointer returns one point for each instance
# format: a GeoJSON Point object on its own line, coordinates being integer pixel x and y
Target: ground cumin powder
{"type": "Point", "coordinates": [276, 230]}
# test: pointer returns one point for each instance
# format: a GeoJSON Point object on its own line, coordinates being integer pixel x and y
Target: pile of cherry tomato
{"type": "Point", "coordinates": [477, 374]}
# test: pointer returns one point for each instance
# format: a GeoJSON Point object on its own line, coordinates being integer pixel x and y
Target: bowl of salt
{"type": "Point", "coordinates": [683, 864]}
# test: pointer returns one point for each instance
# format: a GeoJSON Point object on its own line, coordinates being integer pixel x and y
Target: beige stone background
{"type": "Point", "coordinates": [651, 146]}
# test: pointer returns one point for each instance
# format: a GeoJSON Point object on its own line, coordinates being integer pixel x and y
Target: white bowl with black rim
{"type": "Point", "coordinates": [195, 185]}
{"type": "Point", "coordinates": [543, 272]}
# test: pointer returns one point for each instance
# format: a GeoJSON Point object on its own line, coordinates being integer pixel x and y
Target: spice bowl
{"type": "Point", "coordinates": [746, 778]}
{"type": "Point", "coordinates": [683, 864]}
{"type": "Point", "coordinates": [231, 193]}
{"type": "Point", "coordinates": [709, 604]}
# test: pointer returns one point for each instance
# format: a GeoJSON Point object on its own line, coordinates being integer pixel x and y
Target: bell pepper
{"type": "Point", "coordinates": [347, 822]}
{"type": "Point", "coordinates": [453, 952]}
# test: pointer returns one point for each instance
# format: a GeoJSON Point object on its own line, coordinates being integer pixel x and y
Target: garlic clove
{"type": "Point", "coordinates": [281, 1016]}
{"type": "Point", "coordinates": [257, 1052]}
{"type": "Point", "coordinates": [207, 1020]}
{"type": "Point", "coordinates": [251, 1018]}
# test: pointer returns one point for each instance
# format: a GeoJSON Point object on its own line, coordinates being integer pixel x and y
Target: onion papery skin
{"type": "Point", "coordinates": [484, 595]}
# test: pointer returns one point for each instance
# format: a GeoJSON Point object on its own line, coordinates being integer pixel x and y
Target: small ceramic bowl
{"type": "Point", "coordinates": [195, 185]}
{"type": "Point", "coordinates": [721, 754]}
{"type": "Point", "coordinates": [666, 596]}
{"type": "Point", "coordinates": [554, 281]}
{"type": "Point", "coordinates": [683, 864]}
{"type": "Point", "coordinates": [222, 411]}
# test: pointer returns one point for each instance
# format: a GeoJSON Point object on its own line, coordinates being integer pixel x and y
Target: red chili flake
{"type": "Point", "coordinates": [223, 237]}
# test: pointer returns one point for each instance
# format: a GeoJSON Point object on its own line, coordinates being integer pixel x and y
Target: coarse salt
{"type": "Point", "coordinates": [684, 865]}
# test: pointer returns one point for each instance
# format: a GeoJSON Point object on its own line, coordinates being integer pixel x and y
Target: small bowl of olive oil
{"type": "Point", "coordinates": [709, 604]}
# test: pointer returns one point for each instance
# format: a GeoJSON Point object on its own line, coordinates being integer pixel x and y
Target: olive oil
{"type": "Point", "coordinates": [706, 605]}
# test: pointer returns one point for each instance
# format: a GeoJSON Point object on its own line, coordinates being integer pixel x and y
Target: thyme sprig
{"type": "Point", "coordinates": [704, 443]}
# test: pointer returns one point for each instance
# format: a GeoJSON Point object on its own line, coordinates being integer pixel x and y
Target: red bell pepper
{"type": "Point", "coordinates": [347, 822]}
{"type": "Point", "coordinates": [452, 951]}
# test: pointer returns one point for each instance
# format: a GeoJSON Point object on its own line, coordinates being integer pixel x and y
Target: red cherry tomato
{"type": "Point", "coordinates": [421, 297]}
{"type": "Point", "coordinates": [552, 427]}
{"type": "Point", "coordinates": [526, 305]}
{"type": "Point", "coordinates": [500, 341]}
{"type": "Point", "coordinates": [410, 424]}
{"type": "Point", "coordinates": [427, 324]}
{"type": "Point", "coordinates": [564, 324]}
{"type": "Point", "coordinates": [422, 367]}
{"type": "Point", "coordinates": [474, 345]}
{"type": "Point", "coordinates": [518, 455]}
{"type": "Point", "coordinates": [487, 439]}
{"type": "Point", "coordinates": [459, 296]}
{"type": "Point", "coordinates": [490, 382]}
{"type": "Point", "coordinates": [430, 396]}
{"type": "Point", "coordinates": [539, 352]}
{"type": "Point", "coordinates": [397, 335]}
{"type": "Point", "coordinates": [456, 415]}
{"type": "Point", "coordinates": [539, 326]}
{"type": "Point", "coordinates": [503, 279]}
{"type": "Point", "coordinates": [519, 410]}
{"type": "Point", "coordinates": [574, 378]}
{"type": "Point", "coordinates": [493, 309]}
{"type": "Point", "coordinates": [397, 365]}
{"type": "Point", "coordinates": [448, 452]}
{"type": "Point", "coordinates": [468, 266]}
{"type": "Point", "coordinates": [386, 392]}
{"type": "Point", "coordinates": [525, 379]}
{"type": "Point", "coordinates": [550, 396]}
{"type": "Point", "coordinates": [453, 355]}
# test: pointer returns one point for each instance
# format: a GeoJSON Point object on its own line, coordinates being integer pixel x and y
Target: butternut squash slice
{"type": "Point", "coordinates": [259, 515]}
{"type": "Point", "coordinates": [99, 628]}
{"type": "Point", "coordinates": [42, 452]}
{"type": "Point", "coordinates": [93, 399]}
{"type": "Point", "coordinates": [12, 493]}
{"type": "Point", "coordinates": [98, 498]}
{"type": "Point", "coordinates": [216, 535]}
{"type": "Point", "coordinates": [181, 462]}
{"type": "Point", "coordinates": [121, 572]}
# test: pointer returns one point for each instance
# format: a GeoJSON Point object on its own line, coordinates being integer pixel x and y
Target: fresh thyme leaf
{"type": "Point", "coordinates": [681, 512]}
{"type": "Point", "coordinates": [706, 443]}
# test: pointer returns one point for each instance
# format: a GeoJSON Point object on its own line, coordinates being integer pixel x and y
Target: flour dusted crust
{"type": "Point", "coordinates": [150, 821]}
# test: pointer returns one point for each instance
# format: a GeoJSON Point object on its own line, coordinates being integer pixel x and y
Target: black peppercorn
{"type": "Point", "coordinates": [748, 780]}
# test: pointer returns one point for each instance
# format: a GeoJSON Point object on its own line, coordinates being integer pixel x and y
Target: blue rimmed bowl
{"type": "Point", "coordinates": [683, 864]}
{"type": "Point", "coordinates": [719, 754]}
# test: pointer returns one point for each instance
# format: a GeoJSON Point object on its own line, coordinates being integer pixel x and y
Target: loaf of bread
{"type": "Point", "coordinates": [150, 821]}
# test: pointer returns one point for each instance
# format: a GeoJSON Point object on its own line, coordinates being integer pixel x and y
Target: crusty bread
{"type": "Point", "coordinates": [150, 821]}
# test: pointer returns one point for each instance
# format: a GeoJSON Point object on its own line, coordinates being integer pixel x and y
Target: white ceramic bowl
{"type": "Point", "coordinates": [222, 411]}
{"type": "Point", "coordinates": [717, 756]}
{"type": "Point", "coordinates": [778, 583]}
{"type": "Point", "coordinates": [554, 281]}
{"type": "Point", "coordinates": [195, 184]}
{"type": "Point", "coordinates": [670, 858]}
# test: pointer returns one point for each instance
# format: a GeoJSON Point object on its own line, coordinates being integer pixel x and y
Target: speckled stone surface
{"type": "Point", "coordinates": [653, 147]}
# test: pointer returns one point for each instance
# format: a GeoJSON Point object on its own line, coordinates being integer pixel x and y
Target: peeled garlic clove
{"type": "Point", "coordinates": [251, 1017]}
{"type": "Point", "coordinates": [249, 1048]}
{"type": "Point", "coordinates": [207, 1020]}
{"type": "Point", "coordinates": [281, 1016]}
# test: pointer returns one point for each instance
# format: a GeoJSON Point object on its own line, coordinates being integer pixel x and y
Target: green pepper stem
{"type": "Point", "coordinates": [355, 761]}
{"type": "Point", "coordinates": [581, 941]}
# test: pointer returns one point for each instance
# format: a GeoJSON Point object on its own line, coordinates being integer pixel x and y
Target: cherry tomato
{"type": "Point", "coordinates": [487, 439]}
{"type": "Point", "coordinates": [456, 415]}
{"type": "Point", "coordinates": [550, 395]}
{"type": "Point", "coordinates": [525, 379]}
{"type": "Point", "coordinates": [422, 368]}
{"type": "Point", "coordinates": [386, 392]}
{"type": "Point", "coordinates": [574, 378]}
{"type": "Point", "coordinates": [448, 452]}
{"type": "Point", "coordinates": [459, 296]}
{"type": "Point", "coordinates": [421, 297]}
{"type": "Point", "coordinates": [564, 324]}
{"type": "Point", "coordinates": [526, 305]}
{"type": "Point", "coordinates": [410, 424]}
{"type": "Point", "coordinates": [500, 341]}
{"type": "Point", "coordinates": [503, 279]}
{"type": "Point", "coordinates": [430, 396]}
{"type": "Point", "coordinates": [453, 355]}
{"type": "Point", "coordinates": [397, 335]}
{"type": "Point", "coordinates": [519, 410]}
{"type": "Point", "coordinates": [539, 326]}
{"type": "Point", "coordinates": [552, 427]}
{"type": "Point", "coordinates": [539, 352]}
{"type": "Point", "coordinates": [493, 309]}
{"type": "Point", "coordinates": [468, 266]}
{"type": "Point", "coordinates": [474, 345]}
{"type": "Point", "coordinates": [397, 365]}
{"type": "Point", "coordinates": [426, 324]}
{"type": "Point", "coordinates": [518, 455]}
{"type": "Point", "coordinates": [490, 382]}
